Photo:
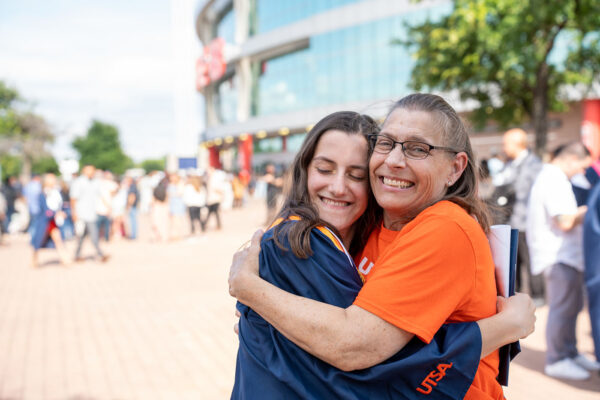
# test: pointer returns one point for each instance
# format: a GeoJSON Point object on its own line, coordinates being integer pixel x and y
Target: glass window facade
{"type": "Point", "coordinates": [226, 100]}
{"type": "Point", "coordinates": [294, 142]}
{"type": "Point", "coordinates": [226, 26]}
{"type": "Point", "coordinates": [268, 145]}
{"type": "Point", "coordinates": [358, 63]}
{"type": "Point", "coordinates": [272, 14]}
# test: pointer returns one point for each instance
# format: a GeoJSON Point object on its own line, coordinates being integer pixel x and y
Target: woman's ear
{"type": "Point", "coordinates": [459, 163]}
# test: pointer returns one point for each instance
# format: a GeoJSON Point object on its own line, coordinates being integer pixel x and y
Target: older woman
{"type": "Point", "coordinates": [429, 263]}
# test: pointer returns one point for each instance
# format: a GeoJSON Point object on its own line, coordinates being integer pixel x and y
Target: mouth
{"type": "Point", "coordinates": [396, 183]}
{"type": "Point", "coordinates": [334, 203]}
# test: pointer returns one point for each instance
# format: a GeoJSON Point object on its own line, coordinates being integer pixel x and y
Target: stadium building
{"type": "Point", "coordinates": [272, 68]}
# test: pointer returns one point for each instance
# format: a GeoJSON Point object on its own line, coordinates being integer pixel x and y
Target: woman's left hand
{"type": "Point", "coordinates": [520, 313]}
{"type": "Point", "coordinates": [244, 267]}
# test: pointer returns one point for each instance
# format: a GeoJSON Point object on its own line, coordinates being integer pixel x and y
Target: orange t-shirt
{"type": "Point", "coordinates": [437, 269]}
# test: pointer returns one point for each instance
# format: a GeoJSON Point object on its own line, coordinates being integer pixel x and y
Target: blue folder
{"type": "Point", "coordinates": [509, 351]}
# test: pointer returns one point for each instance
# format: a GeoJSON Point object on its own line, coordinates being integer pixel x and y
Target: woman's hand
{"type": "Point", "coordinates": [236, 326]}
{"type": "Point", "coordinates": [244, 267]}
{"type": "Point", "coordinates": [519, 312]}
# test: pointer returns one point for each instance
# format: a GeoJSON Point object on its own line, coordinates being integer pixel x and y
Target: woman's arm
{"type": "Point", "coordinates": [350, 338]}
{"type": "Point", "coordinates": [515, 320]}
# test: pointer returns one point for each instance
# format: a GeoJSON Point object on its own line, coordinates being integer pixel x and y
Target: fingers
{"type": "Point", "coordinates": [236, 328]}
{"type": "Point", "coordinates": [237, 313]}
{"type": "Point", "coordinates": [256, 238]}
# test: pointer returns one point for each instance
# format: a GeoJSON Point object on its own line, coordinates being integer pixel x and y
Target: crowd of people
{"type": "Point", "coordinates": [549, 201]}
{"type": "Point", "coordinates": [98, 205]}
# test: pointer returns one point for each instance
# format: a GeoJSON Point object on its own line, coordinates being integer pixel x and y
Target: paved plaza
{"type": "Point", "coordinates": [155, 322]}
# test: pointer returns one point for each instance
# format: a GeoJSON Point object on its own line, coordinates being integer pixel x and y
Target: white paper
{"type": "Point", "coordinates": [499, 238]}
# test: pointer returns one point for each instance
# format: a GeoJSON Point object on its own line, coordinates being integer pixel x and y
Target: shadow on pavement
{"type": "Point", "coordinates": [535, 361]}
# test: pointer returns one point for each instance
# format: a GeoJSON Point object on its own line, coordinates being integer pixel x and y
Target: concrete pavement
{"type": "Point", "coordinates": [155, 322]}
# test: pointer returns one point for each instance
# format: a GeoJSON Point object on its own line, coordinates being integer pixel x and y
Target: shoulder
{"type": "Point", "coordinates": [320, 236]}
{"type": "Point", "coordinates": [446, 213]}
{"type": "Point", "coordinates": [446, 225]}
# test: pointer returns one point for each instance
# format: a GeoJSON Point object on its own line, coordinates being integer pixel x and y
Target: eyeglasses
{"type": "Point", "coordinates": [411, 149]}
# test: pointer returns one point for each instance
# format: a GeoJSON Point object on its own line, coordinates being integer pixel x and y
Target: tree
{"type": "Point", "coordinates": [503, 54]}
{"type": "Point", "coordinates": [8, 115]}
{"type": "Point", "coordinates": [101, 148]}
{"type": "Point", "coordinates": [11, 165]}
{"type": "Point", "coordinates": [153, 165]}
{"type": "Point", "coordinates": [45, 165]}
{"type": "Point", "coordinates": [34, 135]}
{"type": "Point", "coordinates": [22, 133]}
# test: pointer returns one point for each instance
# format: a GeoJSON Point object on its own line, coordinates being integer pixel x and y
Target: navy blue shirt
{"type": "Point", "coordinates": [269, 366]}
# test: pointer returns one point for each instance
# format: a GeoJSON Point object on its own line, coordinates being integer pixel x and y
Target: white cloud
{"type": "Point", "coordinates": [107, 60]}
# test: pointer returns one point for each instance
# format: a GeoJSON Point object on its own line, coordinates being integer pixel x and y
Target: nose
{"type": "Point", "coordinates": [338, 185]}
{"type": "Point", "coordinates": [396, 157]}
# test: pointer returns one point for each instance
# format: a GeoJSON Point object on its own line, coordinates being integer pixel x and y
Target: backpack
{"type": "Point", "coordinates": [502, 202]}
{"type": "Point", "coordinates": [160, 191]}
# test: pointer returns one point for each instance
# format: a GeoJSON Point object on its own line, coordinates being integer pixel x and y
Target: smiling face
{"type": "Point", "coordinates": [338, 180]}
{"type": "Point", "coordinates": [404, 187]}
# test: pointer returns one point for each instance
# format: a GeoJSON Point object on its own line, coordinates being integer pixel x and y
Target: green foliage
{"type": "Point", "coordinates": [153, 165]}
{"type": "Point", "coordinates": [101, 148]}
{"type": "Point", "coordinates": [8, 116]}
{"type": "Point", "coordinates": [500, 54]}
{"type": "Point", "coordinates": [44, 165]}
{"type": "Point", "coordinates": [11, 165]}
{"type": "Point", "coordinates": [8, 96]}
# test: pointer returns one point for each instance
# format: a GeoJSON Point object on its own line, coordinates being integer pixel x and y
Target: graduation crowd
{"type": "Point", "coordinates": [101, 206]}
{"type": "Point", "coordinates": [555, 205]}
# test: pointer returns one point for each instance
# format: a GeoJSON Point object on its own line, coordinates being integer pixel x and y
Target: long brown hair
{"type": "Point", "coordinates": [297, 199]}
{"type": "Point", "coordinates": [454, 134]}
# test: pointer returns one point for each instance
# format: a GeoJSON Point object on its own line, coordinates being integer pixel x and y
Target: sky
{"type": "Point", "coordinates": [128, 63]}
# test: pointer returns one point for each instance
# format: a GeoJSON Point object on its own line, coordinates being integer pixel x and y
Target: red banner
{"type": "Point", "coordinates": [590, 127]}
{"type": "Point", "coordinates": [245, 150]}
{"type": "Point", "coordinates": [211, 65]}
{"type": "Point", "coordinates": [213, 157]}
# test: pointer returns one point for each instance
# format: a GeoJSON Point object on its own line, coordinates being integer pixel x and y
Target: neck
{"type": "Point", "coordinates": [346, 237]}
{"type": "Point", "coordinates": [394, 223]}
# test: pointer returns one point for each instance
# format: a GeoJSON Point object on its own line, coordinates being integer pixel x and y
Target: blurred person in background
{"type": "Point", "coordinates": [133, 197]}
{"type": "Point", "coordinates": [215, 192]}
{"type": "Point", "coordinates": [31, 192]}
{"type": "Point", "coordinates": [238, 191]}
{"type": "Point", "coordinates": [177, 208]}
{"type": "Point", "coordinates": [194, 197]}
{"type": "Point", "coordinates": [554, 236]}
{"type": "Point", "coordinates": [108, 187]}
{"type": "Point", "coordinates": [159, 211]}
{"type": "Point", "coordinates": [227, 187]}
{"type": "Point", "coordinates": [67, 230]}
{"type": "Point", "coordinates": [495, 164]}
{"type": "Point", "coordinates": [3, 209]}
{"type": "Point", "coordinates": [518, 174]}
{"type": "Point", "coordinates": [274, 188]}
{"type": "Point", "coordinates": [591, 252]}
{"type": "Point", "coordinates": [145, 185]}
{"type": "Point", "coordinates": [11, 191]}
{"type": "Point", "coordinates": [48, 221]}
{"type": "Point", "coordinates": [486, 187]}
{"type": "Point", "coordinates": [118, 208]}
{"type": "Point", "coordinates": [85, 195]}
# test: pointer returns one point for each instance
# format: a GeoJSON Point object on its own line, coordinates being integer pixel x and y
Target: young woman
{"type": "Point", "coordinates": [47, 223]}
{"type": "Point", "coordinates": [302, 255]}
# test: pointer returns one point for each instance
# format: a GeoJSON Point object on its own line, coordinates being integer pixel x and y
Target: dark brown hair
{"type": "Point", "coordinates": [454, 134]}
{"type": "Point", "coordinates": [297, 200]}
